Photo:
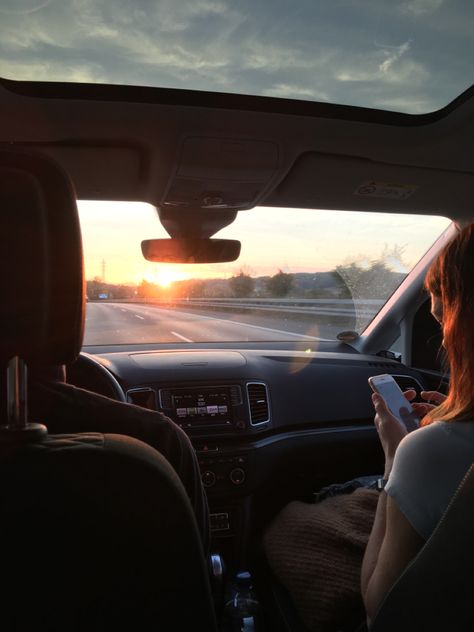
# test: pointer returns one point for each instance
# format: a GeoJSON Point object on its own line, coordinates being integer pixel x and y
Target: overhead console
{"type": "Point", "coordinates": [221, 173]}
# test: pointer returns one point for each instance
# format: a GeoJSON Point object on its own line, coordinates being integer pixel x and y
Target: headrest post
{"type": "Point", "coordinates": [18, 429]}
{"type": "Point", "coordinates": [17, 413]}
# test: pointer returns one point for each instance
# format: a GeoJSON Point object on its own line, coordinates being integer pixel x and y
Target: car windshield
{"type": "Point", "coordinates": [302, 275]}
{"type": "Point", "coordinates": [409, 56]}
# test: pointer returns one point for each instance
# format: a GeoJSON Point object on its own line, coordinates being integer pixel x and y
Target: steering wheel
{"type": "Point", "coordinates": [88, 373]}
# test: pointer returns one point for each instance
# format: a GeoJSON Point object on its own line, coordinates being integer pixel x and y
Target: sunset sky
{"type": "Point", "coordinates": [295, 240]}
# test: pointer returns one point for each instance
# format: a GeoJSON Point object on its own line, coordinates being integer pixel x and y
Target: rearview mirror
{"type": "Point", "coordinates": [190, 250]}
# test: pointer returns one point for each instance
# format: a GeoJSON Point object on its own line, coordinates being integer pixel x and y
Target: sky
{"type": "Point", "coordinates": [405, 55]}
{"type": "Point", "coordinates": [294, 240]}
{"type": "Point", "coordinates": [411, 56]}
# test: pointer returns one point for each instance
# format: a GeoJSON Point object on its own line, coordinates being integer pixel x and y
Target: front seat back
{"type": "Point", "coordinates": [97, 530]}
{"type": "Point", "coordinates": [435, 591]}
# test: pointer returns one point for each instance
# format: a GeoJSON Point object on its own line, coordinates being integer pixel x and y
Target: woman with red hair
{"type": "Point", "coordinates": [424, 468]}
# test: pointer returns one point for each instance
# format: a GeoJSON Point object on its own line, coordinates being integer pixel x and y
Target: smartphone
{"type": "Point", "coordinates": [397, 403]}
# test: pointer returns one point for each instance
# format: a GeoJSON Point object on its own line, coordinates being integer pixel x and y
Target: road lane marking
{"type": "Point", "coordinates": [238, 323]}
{"type": "Point", "coordinates": [123, 310]}
{"type": "Point", "coordinates": [175, 333]}
{"type": "Point", "coordinates": [140, 317]}
{"type": "Point", "coordinates": [277, 331]}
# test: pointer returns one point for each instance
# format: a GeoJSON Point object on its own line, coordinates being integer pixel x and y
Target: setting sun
{"type": "Point", "coordinates": [164, 277]}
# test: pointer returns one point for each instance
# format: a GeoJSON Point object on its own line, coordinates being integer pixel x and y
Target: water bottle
{"type": "Point", "coordinates": [242, 610]}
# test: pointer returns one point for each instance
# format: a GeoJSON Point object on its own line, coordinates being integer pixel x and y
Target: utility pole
{"type": "Point", "coordinates": [103, 270]}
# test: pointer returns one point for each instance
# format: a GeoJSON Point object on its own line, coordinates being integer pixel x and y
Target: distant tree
{"type": "Point", "coordinates": [218, 288]}
{"type": "Point", "coordinates": [195, 288]}
{"type": "Point", "coordinates": [279, 284]}
{"type": "Point", "coordinates": [142, 289]}
{"type": "Point", "coordinates": [148, 290]}
{"type": "Point", "coordinates": [123, 291]}
{"type": "Point", "coordinates": [94, 288]}
{"type": "Point", "coordinates": [242, 285]}
{"type": "Point", "coordinates": [180, 289]}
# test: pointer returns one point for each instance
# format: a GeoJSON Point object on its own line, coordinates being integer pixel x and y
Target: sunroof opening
{"type": "Point", "coordinates": [409, 56]}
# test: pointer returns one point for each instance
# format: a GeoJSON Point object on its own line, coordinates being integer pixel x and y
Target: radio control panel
{"type": "Point", "coordinates": [199, 407]}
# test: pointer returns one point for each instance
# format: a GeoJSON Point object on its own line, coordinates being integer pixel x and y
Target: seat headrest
{"type": "Point", "coordinates": [42, 296]}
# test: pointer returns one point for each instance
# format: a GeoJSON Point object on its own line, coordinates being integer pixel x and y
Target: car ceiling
{"type": "Point", "coordinates": [197, 149]}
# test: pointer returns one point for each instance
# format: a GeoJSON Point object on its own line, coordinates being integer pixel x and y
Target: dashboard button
{"type": "Point", "coordinates": [208, 478]}
{"type": "Point", "coordinates": [237, 476]}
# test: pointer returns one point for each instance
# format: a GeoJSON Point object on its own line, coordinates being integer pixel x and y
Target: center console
{"type": "Point", "coordinates": [222, 420]}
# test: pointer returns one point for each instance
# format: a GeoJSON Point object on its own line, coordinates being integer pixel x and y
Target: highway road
{"type": "Point", "coordinates": [118, 323]}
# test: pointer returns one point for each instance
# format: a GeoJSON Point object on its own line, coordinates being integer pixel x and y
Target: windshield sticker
{"type": "Point", "coordinates": [386, 190]}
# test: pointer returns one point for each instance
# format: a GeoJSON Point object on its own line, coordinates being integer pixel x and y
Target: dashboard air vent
{"type": "Point", "coordinates": [405, 382]}
{"type": "Point", "coordinates": [258, 403]}
{"type": "Point", "coordinates": [381, 365]}
{"type": "Point", "coordinates": [143, 396]}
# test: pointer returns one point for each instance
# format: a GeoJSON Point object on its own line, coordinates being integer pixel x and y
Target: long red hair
{"type": "Point", "coordinates": [451, 279]}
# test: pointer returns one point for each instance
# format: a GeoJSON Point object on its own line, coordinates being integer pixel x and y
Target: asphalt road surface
{"type": "Point", "coordinates": [131, 323]}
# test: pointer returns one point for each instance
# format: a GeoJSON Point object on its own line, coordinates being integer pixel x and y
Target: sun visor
{"type": "Point", "coordinates": [346, 183]}
{"type": "Point", "coordinates": [100, 172]}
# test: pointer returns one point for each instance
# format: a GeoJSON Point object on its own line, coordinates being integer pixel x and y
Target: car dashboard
{"type": "Point", "coordinates": [245, 393]}
{"type": "Point", "coordinates": [268, 425]}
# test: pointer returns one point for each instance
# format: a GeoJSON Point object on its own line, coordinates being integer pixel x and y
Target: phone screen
{"type": "Point", "coordinates": [396, 401]}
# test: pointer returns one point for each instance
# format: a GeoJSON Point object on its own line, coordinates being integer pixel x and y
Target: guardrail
{"type": "Point", "coordinates": [314, 307]}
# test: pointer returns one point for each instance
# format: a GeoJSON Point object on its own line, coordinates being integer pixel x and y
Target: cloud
{"type": "Point", "coordinates": [22, 7]}
{"type": "Point", "coordinates": [393, 57]}
{"type": "Point", "coordinates": [259, 55]}
{"type": "Point", "coordinates": [305, 50]}
{"type": "Point", "coordinates": [75, 73]}
{"type": "Point", "coordinates": [293, 91]}
{"type": "Point", "coordinates": [384, 65]}
{"type": "Point", "coordinates": [420, 7]}
{"type": "Point", "coordinates": [414, 105]}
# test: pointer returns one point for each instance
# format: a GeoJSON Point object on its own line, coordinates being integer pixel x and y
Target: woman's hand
{"type": "Point", "coordinates": [420, 408]}
{"type": "Point", "coordinates": [391, 430]}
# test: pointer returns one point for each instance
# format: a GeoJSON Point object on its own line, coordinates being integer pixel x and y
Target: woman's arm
{"type": "Point", "coordinates": [375, 540]}
{"type": "Point", "coordinates": [393, 542]}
